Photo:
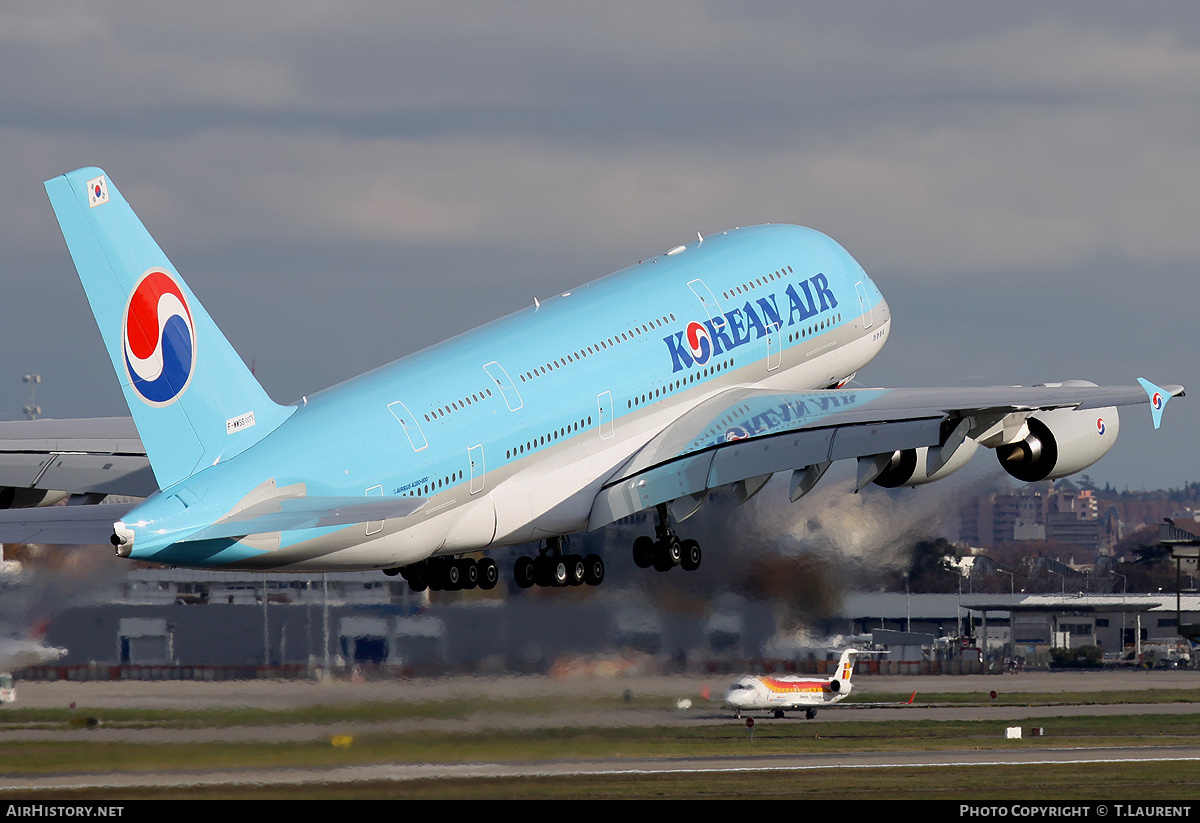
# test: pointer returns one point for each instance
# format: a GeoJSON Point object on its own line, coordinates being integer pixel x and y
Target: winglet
{"type": "Point", "coordinates": [1158, 399]}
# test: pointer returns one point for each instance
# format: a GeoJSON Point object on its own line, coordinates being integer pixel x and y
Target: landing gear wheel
{"type": "Point", "coordinates": [550, 571]}
{"type": "Point", "coordinates": [668, 554]}
{"type": "Point", "coordinates": [417, 576]}
{"type": "Point", "coordinates": [488, 573]}
{"type": "Point", "coordinates": [779, 714]}
{"type": "Point", "coordinates": [575, 569]}
{"type": "Point", "coordinates": [468, 573]}
{"type": "Point", "coordinates": [810, 714]}
{"type": "Point", "coordinates": [559, 576]}
{"type": "Point", "coordinates": [691, 556]}
{"type": "Point", "coordinates": [672, 550]}
{"type": "Point", "coordinates": [451, 576]}
{"type": "Point", "coordinates": [435, 573]}
{"type": "Point", "coordinates": [643, 552]}
{"type": "Point", "coordinates": [524, 571]}
{"type": "Point", "coordinates": [593, 570]}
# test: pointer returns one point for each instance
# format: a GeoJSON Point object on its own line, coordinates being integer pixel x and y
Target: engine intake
{"type": "Point", "coordinates": [915, 467]}
{"type": "Point", "coordinates": [1060, 443]}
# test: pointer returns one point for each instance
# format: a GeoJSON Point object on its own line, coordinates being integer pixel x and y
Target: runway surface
{"type": "Point", "coordinates": [268, 695]}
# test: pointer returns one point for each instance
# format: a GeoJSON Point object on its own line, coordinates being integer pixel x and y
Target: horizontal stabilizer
{"type": "Point", "coordinates": [290, 513]}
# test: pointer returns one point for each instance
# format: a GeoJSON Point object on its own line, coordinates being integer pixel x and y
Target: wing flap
{"type": "Point", "coordinates": [732, 462]}
{"type": "Point", "coordinates": [99, 456]}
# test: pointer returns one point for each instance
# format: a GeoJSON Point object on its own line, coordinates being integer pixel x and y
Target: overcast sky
{"type": "Point", "coordinates": [342, 183]}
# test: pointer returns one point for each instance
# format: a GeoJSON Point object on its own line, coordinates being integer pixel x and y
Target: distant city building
{"type": "Point", "coordinates": [1057, 514]}
{"type": "Point", "coordinates": [1000, 517]}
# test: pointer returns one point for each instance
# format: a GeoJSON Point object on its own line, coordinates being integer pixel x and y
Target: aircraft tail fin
{"type": "Point", "coordinates": [192, 397]}
{"type": "Point", "coordinates": [845, 667]}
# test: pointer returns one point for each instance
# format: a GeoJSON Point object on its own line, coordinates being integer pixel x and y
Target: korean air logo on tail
{"type": "Point", "coordinates": [159, 339]}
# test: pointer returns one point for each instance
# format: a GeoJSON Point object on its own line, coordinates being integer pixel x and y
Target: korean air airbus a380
{"type": "Point", "coordinates": [718, 363]}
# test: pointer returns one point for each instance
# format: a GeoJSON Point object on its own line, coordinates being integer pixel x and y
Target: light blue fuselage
{"type": "Point", "coordinates": [509, 430]}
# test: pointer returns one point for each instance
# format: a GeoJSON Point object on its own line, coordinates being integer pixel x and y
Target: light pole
{"type": "Point", "coordinates": [33, 409]}
{"type": "Point", "coordinates": [1124, 586]}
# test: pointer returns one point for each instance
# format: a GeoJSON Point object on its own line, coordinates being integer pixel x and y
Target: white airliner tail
{"type": "Point", "coordinates": [845, 670]}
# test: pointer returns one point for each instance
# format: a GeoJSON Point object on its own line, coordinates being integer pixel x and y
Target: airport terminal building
{"type": "Point", "coordinates": [180, 623]}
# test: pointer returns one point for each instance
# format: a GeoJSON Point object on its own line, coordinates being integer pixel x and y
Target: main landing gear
{"type": "Point", "coordinates": [553, 567]}
{"type": "Point", "coordinates": [450, 574]}
{"type": "Point", "coordinates": [666, 551]}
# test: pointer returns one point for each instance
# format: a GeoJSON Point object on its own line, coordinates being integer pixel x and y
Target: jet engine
{"type": "Point", "coordinates": [1059, 443]}
{"type": "Point", "coordinates": [916, 467]}
{"type": "Point", "coordinates": [910, 467]}
{"type": "Point", "coordinates": [840, 686]}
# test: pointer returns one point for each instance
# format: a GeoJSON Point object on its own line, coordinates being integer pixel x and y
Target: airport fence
{"type": "Point", "coordinates": [93, 671]}
{"type": "Point", "coordinates": [861, 667]}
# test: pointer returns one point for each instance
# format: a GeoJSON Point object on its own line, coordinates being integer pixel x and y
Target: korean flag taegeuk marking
{"type": "Point", "coordinates": [159, 339]}
{"type": "Point", "coordinates": [97, 190]}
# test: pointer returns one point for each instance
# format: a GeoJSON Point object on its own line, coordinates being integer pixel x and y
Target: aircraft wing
{"type": "Point", "coordinates": [72, 457]}
{"type": "Point", "coordinates": [62, 525]}
{"type": "Point", "coordinates": [743, 436]}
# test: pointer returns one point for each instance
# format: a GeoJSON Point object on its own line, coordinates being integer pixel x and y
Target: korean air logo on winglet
{"type": "Point", "coordinates": [159, 339]}
{"type": "Point", "coordinates": [1158, 400]}
{"type": "Point", "coordinates": [97, 192]}
{"type": "Point", "coordinates": [1100, 425]}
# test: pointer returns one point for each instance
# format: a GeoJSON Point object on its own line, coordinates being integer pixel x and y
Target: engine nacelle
{"type": "Point", "coordinates": [840, 686]}
{"type": "Point", "coordinates": [1059, 443]}
{"type": "Point", "coordinates": [910, 467]}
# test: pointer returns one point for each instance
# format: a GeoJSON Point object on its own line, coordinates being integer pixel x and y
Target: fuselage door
{"type": "Point", "coordinates": [506, 386]}
{"type": "Point", "coordinates": [409, 423]}
{"type": "Point", "coordinates": [709, 301]}
{"type": "Point", "coordinates": [774, 346]}
{"type": "Point", "coordinates": [604, 406]}
{"type": "Point", "coordinates": [374, 526]}
{"type": "Point", "coordinates": [475, 458]}
{"type": "Point", "coordinates": [864, 304]}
